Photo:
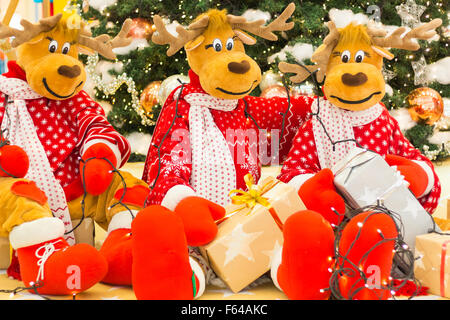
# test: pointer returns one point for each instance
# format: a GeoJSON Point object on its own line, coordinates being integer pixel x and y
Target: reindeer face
{"type": "Point", "coordinates": [225, 71]}
{"type": "Point", "coordinates": [354, 80]}
{"type": "Point", "coordinates": [48, 52]}
{"type": "Point", "coordinates": [214, 44]}
{"type": "Point", "coordinates": [51, 64]}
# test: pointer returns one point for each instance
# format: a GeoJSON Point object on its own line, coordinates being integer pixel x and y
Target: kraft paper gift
{"type": "Point", "coordinates": [432, 264]}
{"type": "Point", "coordinates": [364, 178]}
{"type": "Point", "coordinates": [5, 252]}
{"type": "Point", "coordinates": [248, 236]}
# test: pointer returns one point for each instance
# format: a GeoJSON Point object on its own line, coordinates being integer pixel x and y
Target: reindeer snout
{"type": "Point", "coordinates": [69, 72]}
{"type": "Point", "coordinates": [239, 67]}
{"type": "Point", "coordinates": [354, 80]}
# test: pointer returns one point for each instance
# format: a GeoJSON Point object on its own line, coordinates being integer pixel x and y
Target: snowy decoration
{"type": "Point", "coordinates": [140, 142]}
{"type": "Point", "coordinates": [439, 71]}
{"type": "Point", "coordinates": [106, 106]}
{"type": "Point", "coordinates": [342, 18]}
{"type": "Point", "coordinates": [389, 90]}
{"type": "Point", "coordinates": [254, 15]}
{"type": "Point", "coordinates": [101, 5]}
{"type": "Point", "coordinates": [403, 117]}
{"type": "Point", "coordinates": [300, 51]}
{"type": "Point", "coordinates": [135, 44]}
{"type": "Point", "coordinates": [440, 137]}
{"type": "Point", "coordinates": [104, 68]}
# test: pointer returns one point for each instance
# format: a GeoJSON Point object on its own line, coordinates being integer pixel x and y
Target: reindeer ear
{"type": "Point", "coordinates": [244, 37]}
{"type": "Point", "coordinates": [383, 52]}
{"type": "Point", "coordinates": [191, 45]}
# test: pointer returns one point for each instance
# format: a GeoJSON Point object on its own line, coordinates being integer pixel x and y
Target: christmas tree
{"type": "Point", "coordinates": [120, 84]}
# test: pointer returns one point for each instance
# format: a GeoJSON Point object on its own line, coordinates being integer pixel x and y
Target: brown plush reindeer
{"type": "Point", "coordinates": [72, 152]}
{"type": "Point", "coordinates": [350, 114]}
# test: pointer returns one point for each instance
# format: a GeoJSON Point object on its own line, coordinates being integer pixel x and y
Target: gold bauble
{"type": "Point", "coordinates": [149, 97]}
{"type": "Point", "coordinates": [141, 29]}
{"type": "Point", "coordinates": [425, 104]}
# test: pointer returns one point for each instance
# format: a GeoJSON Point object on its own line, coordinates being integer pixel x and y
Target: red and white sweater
{"type": "Point", "coordinates": [66, 129]}
{"type": "Point", "coordinates": [382, 135]}
{"type": "Point", "coordinates": [173, 178]}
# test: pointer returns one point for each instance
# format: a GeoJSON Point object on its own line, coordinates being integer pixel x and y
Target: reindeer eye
{"type": "Point", "coordinates": [217, 45]}
{"type": "Point", "coordinates": [345, 56]}
{"type": "Point", "coordinates": [65, 48]}
{"type": "Point", "coordinates": [359, 57]}
{"type": "Point", "coordinates": [53, 46]}
{"type": "Point", "coordinates": [230, 44]}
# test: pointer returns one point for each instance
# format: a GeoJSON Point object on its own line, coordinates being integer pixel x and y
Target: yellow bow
{"type": "Point", "coordinates": [254, 194]}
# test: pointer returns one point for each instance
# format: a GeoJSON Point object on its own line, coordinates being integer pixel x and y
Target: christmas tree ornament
{"type": "Point", "coordinates": [420, 71]}
{"type": "Point", "coordinates": [149, 97]}
{"type": "Point", "coordinates": [169, 84]}
{"type": "Point", "coordinates": [410, 13]}
{"type": "Point", "coordinates": [425, 104]}
{"type": "Point", "coordinates": [141, 29]}
{"type": "Point", "coordinates": [270, 78]}
{"type": "Point", "coordinates": [274, 91]}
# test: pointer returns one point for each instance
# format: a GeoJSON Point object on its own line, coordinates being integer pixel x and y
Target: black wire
{"type": "Point", "coordinates": [158, 147]}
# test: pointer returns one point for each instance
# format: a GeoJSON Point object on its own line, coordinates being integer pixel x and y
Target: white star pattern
{"type": "Point", "coordinates": [238, 243]}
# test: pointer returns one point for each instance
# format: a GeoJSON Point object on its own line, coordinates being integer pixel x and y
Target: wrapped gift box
{"type": "Point", "coordinates": [364, 178]}
{"type": "Point", "coordinates": [247, 239]}
{"type": "Point", "coordinates": [85, 232]}
{"type": "Point", "coordinates": [5, 253]}
{"type": "Point", "coordinates": [432, 264]}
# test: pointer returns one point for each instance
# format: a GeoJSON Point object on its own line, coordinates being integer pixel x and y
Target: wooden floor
{"type": "Point", "coordinates": [266, 291]}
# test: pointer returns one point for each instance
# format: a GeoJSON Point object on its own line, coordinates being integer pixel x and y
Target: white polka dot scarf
{"type": "Point", "coordinates": [213, 170]}
{"type": "Point", "coordinates": [339, 124]}
{"type": "Point", "coordinates": [21, 132]}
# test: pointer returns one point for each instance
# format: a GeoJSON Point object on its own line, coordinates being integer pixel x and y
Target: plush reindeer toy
{"type": "Point", "coordinates": [62, 158]}
{"type": "Point", "coordinates": [350, 114]}
{"type": "Point", "coordinates": [204, 144]}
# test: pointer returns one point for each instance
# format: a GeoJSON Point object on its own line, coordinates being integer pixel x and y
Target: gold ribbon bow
{"type": "Point", "coordinates": [254, 194]}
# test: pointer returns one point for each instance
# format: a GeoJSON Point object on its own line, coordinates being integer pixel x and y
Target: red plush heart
{"type": "Point", "coordinates": [307, 256]}
{"type": "Point", "coordinates": [363, 245]}
{"type": "Point", "coordinates": [30, 190]}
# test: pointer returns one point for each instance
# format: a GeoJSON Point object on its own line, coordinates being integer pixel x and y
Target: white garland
{"type": "Point", "coordinates": [111, 87]}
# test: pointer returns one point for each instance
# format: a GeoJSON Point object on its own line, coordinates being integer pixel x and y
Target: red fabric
{"type": "Point", "coordinates": [303, 271]}
{"type": "Point", "coordinates": [90, 268]}
{"type": "Point", "coordinates": [30, 190]}
{"type": "Point", "coordinates": [63, 127]}
{"type": "Point", "coordinates": [319, 194]}
{"type": "Point", "coordinates": [14, 161]}
{"type": "Point", "coordinates": [161, 268]}
{"type": "Point", "coordinates": [413, 173]}
{"type": "Point", "coordinates": [117, 251]}
{"type": "Point", "coordinates": [198, 216]}
{"type": "Point", "coordinates": [97, 173]}
{"type": "Point", "coordinates": [382, 135]}
{"type": "Point", "coordinates": [13, 270]}
{"type": "Point", "coordinates": [366, 250]}
{"type": "Point", "coordinates": [266, 113]}
{"type": "Point", "coordinates": [408, 288]}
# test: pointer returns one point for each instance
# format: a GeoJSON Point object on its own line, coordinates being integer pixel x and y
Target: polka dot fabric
{"type": "Point", "coordinates": [383, 135]}
{"type": "Point", "coordinates": [244, 140]}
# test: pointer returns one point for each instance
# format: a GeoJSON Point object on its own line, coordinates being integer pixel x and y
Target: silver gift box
{"type": "Point", "coordinates": [364, 178]}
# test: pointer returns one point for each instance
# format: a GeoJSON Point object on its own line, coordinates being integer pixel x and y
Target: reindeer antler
{"type": "Point", "coordinates": [423, 32]}
{"type": "Point", "coordinates": [162, 36]}
{"type": "Point", "coordinates": [301, 73]}
{"type": "Point", "coordinates": [257, 27]}
{"type": "Point", "coordinates": [30, 31]}
{"type": "Point", "coordinates": [103, 43]}
{"type": "Point", "coordinates": [322, 54]}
